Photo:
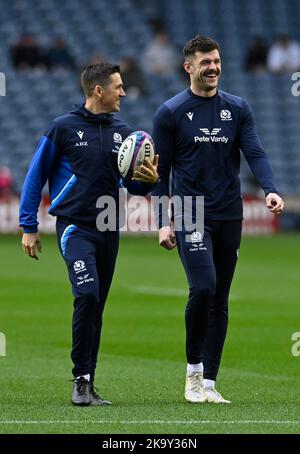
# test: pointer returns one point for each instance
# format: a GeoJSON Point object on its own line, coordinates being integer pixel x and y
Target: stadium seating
{"type": "Point", "coordinates": [34, 98]}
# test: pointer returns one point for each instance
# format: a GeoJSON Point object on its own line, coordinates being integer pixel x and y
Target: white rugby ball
{"type": "Point", "coordinates": [133, 151]}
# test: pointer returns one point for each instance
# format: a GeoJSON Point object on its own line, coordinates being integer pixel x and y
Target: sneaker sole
{"type": "Point", "coordinates": [81, 404]}
{"type": "Point", "coordinates": [195, 401]}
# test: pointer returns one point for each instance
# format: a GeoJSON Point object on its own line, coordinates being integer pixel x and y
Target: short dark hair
{"type": "Point", "coordinates": [97, 74]}
{"type": "Point", "coordinates": [200, 43]}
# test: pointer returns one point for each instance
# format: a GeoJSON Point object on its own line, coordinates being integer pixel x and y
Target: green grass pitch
{"type": "Point", "coordinates": [142, 364]}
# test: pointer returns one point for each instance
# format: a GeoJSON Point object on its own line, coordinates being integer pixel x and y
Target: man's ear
{"type": "Point", "coordinates": [187, 67]}
{"type": "Point", "coordinates": [98, 90]}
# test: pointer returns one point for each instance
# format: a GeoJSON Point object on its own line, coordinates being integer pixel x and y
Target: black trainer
{"type": "Point", "coordinates": [96, 399]}
{"type": "Point", "coordinates": [81, 392]}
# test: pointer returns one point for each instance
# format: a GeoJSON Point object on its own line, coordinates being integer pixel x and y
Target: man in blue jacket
{"type": "Point", "coordinates": [78, 156]}
{"type": "Point", "coordinates": [198, 135]}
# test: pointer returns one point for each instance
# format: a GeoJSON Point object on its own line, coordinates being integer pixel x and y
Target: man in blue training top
{"type": "Point", "coordinates": [198, 135]}
{"type": "Point", "coordinates": [78, 156]}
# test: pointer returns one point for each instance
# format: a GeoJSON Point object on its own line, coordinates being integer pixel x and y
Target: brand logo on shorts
{"type": "Point", "coordinates": [196, 237]}
{"type": "Point", "coordinates": [79, 266]}
{"type": "Point", "coordinates": [197, 242]}
{"type": "Point", "coordinates": [225, 115]}
{"type": "Point", "coordinates": [80, 134]}
{"type": "Point", "coordinates": [84, 279]}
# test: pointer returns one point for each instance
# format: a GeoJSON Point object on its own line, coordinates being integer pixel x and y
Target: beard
{"type": "Point", "coordinates": [206, 83]}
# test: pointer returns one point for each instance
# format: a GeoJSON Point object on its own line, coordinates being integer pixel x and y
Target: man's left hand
{"type": "Point", "coordinates": [147, 173]}
{"type": "Point", "coordinates": [275, 203]}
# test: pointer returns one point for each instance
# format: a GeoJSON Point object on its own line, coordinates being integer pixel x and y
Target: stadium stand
{"type": "Point", "coordinates": [34, 97]}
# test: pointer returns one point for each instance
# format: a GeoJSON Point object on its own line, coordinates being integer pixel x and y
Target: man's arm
{"type": "Point", "coordinates": [257, 159]}
{"type": "Point", "coordinates": [35, 180]}
{"type": "Point", "coordinates": [163, 136]}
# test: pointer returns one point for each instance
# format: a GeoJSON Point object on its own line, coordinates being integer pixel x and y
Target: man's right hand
{"type": "Point", "coordinates": [167, 238]}
{"type": "Point", "coordinates": [30, 243]}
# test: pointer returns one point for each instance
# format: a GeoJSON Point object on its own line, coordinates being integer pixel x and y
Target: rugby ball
{"type": "Point", "coordinates": [133, 151]}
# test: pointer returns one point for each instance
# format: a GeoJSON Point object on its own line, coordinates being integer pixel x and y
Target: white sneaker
{"type": "Point", "coordinates": [213, 396]}
{"type": "Point", "coordinates": [194, 391]}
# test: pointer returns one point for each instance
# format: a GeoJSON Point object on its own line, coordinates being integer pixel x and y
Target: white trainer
{"type": "Point", "coordinates": [212, 395]}
{"type": "Point", "coordinates": [194, 391]}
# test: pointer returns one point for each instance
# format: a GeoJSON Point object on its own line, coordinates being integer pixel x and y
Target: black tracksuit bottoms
{"type": "Point", "coordinates": [90, 256]}
{"type": "Point", "coordinates": [209, 261]}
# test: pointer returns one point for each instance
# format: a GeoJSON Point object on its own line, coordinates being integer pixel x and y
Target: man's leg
{"type": "Point", "coordinates": [197, 259]}
{"type": "Point", "coordinates": [226, 245]}
{"type": "Point", "coordinates": [106, 254]}
{"type": "Point", "coordinates": [79, 251]}
{"type": "Point", "coordinates": [107, 251]}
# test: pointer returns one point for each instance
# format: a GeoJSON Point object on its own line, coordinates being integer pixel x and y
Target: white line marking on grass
{"type": "Point", "coordinates": [191, 422]}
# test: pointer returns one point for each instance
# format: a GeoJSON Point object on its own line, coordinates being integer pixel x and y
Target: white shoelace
{"type": "Point", "coordinates": [195, 380]}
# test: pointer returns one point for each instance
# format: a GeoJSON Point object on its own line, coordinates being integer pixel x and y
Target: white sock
{"type": "Point", "coordinates": [208, 383]}
{"type": "Point", "coordinates": [87, 377]}
{"type": "Point", "coordinates": [194, 368]}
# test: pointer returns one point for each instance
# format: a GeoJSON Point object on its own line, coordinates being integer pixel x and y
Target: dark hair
{"type": "Point", "coordinates": [97, 74]}
{"type": "Point", "coordinates": [200, 43]}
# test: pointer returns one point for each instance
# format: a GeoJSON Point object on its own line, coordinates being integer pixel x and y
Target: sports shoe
{"type": "Point", "coordinates": [194, 388]}
{"type": "Point", "coordinates": [213, 396]}
{"type": "Point", "coordinates": [81, 392]}
{"type": "Point", "coordinates": [96, 399]}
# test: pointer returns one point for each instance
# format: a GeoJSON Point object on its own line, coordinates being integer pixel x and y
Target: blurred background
{"type": "Point", "coordinates": [45, 44]}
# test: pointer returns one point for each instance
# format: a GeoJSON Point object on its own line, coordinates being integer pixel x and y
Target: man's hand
{"type": "Point", "coordinates": [275, 203]}
{"type": "Point", "coordinates": [147, 173]}
{"type": "Point", "coordinates": [167, 238]}
{"type": "Point", "coordinates": [30, 243]}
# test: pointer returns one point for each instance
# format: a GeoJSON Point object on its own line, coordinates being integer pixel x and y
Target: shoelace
{"type": "Point", "coordinates": [214, 391]}
{"type": "Point", "coordinates": [81, 385]}
{"type": "Point", "coordinates": [95, 392]}
{"type": "Point", "coordinates": [195, 382]}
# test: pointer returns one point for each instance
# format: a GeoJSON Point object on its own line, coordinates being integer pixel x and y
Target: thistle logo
{"type": "Point", "coordinates": [196, 237]}
{"type": "Point", "coordinates": [79, 266]}
{"type": "Point", "coordinates": [197, 242]}
{"type": "Point", "coordinates": [117, 142]}
{"type": "Point", "coordinates": [225, 115]}
{"type": "Point", "coordinates": [211, 136]}
{"type": "Point", "coordinates": [117, 138]}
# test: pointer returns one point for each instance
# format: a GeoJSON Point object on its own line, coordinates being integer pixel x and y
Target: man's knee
{"type": "Point", "coordinates": [201, 293]}
{"type": "Point", "coordinates": [87, 288]}
{"type": "Point", "coordinates": [219, 307]}
{"type": "Point", "coordinates": [86, 300]}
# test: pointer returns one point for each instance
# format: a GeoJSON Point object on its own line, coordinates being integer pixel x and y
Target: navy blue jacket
{"type": "Point", "coordinates": [200, 140]}
{"type": "Point", "coordinates": [78, 156]}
